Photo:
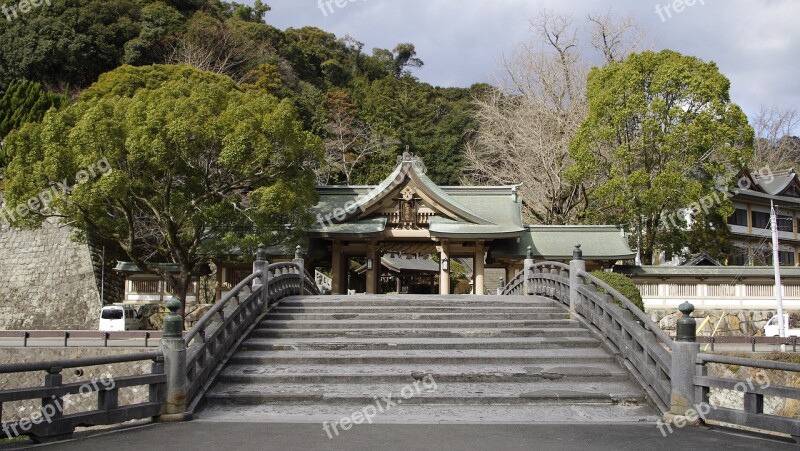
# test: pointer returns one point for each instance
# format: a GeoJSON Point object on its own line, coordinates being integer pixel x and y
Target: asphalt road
{"type": "Point", "coordinates": [439, 437]}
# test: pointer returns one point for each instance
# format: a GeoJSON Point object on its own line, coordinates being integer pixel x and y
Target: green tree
{"type": "Point", "coordinates": [199, 167]}
{"type": "Point", "coordinates": [661, 131]}
{"type": "Point", "coordinates": [23, 102]}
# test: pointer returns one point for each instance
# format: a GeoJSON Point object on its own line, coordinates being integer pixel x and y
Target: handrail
{"type": "Point", "coordinates": [77, 363]}
{"type": "Point", "coordinates": [625, 336]}
{"type": "Point", "coordinates": [50, 394]}
{"type": "Point", "coordinates": [309, 278]}
{"type": "Point", "coordinates": [628, 305]}
{"type": "Point", "coordinates": [752, 412]}
{"type": "Point", "coordinates": [556, 264]}
{"type": "Point", "coordinates": [223, 328]}
{"type": "Point", "coordinates": [514, 283]}
{"type": "Point", "coordinates": [753, 363]}
{"type": "Point", "coordinates": [206, 318]}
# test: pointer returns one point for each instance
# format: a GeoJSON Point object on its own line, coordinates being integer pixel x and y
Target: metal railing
{"type": "Point", "coordinates": [51, 420]}
{"type": "Point", "coordinates": [752, 415]}
{"type": "Point", "coordinates": [752, 341]}
{"type": "Point", "coordinates": [28, 337]}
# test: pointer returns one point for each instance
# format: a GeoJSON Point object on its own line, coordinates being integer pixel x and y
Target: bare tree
{"type": "Point", "coordinates": [775, 146]}
{"type": "Point", "coordinates": [349, 140]}
{"type": "Point", "coordinates": [527, 124]}
{"type": "Point", "coordinates": [615, 38]}
{"type": "Point", "coordinates": [213, 50]}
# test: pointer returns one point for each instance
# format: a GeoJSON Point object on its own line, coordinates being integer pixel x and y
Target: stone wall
{"type": "Point", "coordinates": [741, 323]}
{"type": "Point", "coordinates": [49, 281]}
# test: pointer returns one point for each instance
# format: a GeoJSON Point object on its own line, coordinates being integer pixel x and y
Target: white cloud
{"type": "Point", "coordinates": [754, 42]}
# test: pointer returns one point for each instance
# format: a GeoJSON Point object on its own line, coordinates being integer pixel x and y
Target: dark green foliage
{"type": "Point", "coordinates": [72, 43]}
{"type": "Point", "coordinates": [623, 284]}
{"type": "Point", "coordinates": [23, 102]}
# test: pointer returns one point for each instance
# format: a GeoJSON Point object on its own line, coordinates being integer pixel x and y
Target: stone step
{"type": "Point", "coordinates": [270, 323]}
{"type": "Point", "coordinates": [406, 374]}
{"type": "Point", "coordinates": [441, 359]}
{"type": "Point", "coordinates": [415, 309]}
{"type": "Point", "coordinates": [315, 343]}
{"type": "Point", "coordinates": [420, 333]}
{"type": "Point", "coordinates": [413, 301]}
{"type": "Point", "coordinates": [472, 356]}
{"type": "Point", "coordinates": [431, 392]}
{"type": "Point", "coordinates": [407, 316]}
{"type": "Point", "coordinates": [325, 414]}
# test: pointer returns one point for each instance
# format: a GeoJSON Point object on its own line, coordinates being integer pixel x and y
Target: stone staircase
{"type": "Point", "coordinates": [423, 359]}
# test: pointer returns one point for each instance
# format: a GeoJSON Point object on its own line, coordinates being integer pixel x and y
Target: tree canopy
{"type": "Point", "coordinates": [198, 167]}
{"type": "Point", "coordinates": [69, 45]}
{"type": "Point", "coordinates": [662, 132]}
{"type": "Point", "coordinates": [24, 102]}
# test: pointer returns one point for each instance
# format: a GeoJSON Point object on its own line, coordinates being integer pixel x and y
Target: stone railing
{"type": "Point", "coordinates": [195, 359]}
{"type": "Point", "coordinates": [54, 418]}
{"type": "Point", "coordinates": [323, 282]}
{"type": "Point", "coordinates": [183, 370]}
{"type": "Point", "coordinates": [625, 331]}
{"type": "Point", "coordinates": [752, 414]}
{"type": "Point", "coordinates": [663, 367]}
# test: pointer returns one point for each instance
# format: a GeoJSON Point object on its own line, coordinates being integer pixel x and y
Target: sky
{"type": "Point", "coordinates": [755, 43]}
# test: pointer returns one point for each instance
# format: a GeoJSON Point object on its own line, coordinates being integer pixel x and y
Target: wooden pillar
{"type": "Point", "coordinates": [444, 274]}
{"type": "Point", "coordinates": [338, 270]}
{"type": "Point", "coordinates": [373, 275]}
{"type": "Point", "coordinates": [398, 284]}
{"type": "Point", "coordinates": [478, 269]}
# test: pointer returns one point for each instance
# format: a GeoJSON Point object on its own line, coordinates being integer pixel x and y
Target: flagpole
{"type": "Point", "coordinates": [777, 266]}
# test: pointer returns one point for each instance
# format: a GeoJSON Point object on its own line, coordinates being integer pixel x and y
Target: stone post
{"type": "Point", "coordinates": [684, 354]}
{"type": "Point", "coordinates": [502, 285]}
{"type": "Point", "coordinates": [528, 268]}
{"type": "Point", "coordinates": [576, 264]}
{"type": "Point", "coordinates": [261, 264]}
{"type": "Point", "coordinates": [298, 260]}
{"type": "Point", "coordinates": [174, 348]}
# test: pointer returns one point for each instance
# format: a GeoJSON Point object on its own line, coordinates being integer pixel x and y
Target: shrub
{"type": "Point", "coordinates": [623, 284]}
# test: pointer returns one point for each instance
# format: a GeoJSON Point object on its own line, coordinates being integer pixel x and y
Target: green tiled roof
{"type": "Point", "coordinates": [482, 212]}
{"type": "Point", "coordinates": [598, 242]}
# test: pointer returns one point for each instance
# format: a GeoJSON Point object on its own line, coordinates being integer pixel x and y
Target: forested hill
{"type": "Point", "coordinates": [367, 105]}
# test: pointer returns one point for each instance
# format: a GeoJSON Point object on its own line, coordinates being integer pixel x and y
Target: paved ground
{"type": "Point", "coordinates": [259, 436]}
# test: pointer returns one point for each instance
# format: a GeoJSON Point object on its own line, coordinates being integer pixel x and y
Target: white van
{"type": "Point", "coordinates": [115, 318]}
{"type": "Point", "coordinates": [790, 326]}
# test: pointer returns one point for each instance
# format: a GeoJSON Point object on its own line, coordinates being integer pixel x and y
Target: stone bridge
{"type": "Point", "coordinates": [557, 345]}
